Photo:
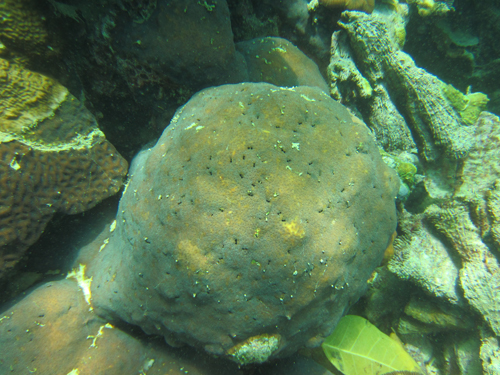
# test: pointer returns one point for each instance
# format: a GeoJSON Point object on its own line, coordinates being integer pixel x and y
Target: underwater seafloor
{"type": "Point", "coordinates": [208, 187]}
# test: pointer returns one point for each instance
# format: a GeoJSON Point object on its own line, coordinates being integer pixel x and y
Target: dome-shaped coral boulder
{"type": "Point", "coordinates": [251, 226]}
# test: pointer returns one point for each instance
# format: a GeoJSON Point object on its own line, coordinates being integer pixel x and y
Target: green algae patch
{"type": "Point", "coordinates": [468, 105]}
{"type": "Point", "coordinates": [406, 171]}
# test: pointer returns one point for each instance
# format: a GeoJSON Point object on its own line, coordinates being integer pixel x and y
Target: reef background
{"type": "Point", "coordinates": [128, 71]}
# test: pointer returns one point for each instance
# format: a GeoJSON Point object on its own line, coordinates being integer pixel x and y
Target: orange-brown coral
{"type": "Point", "coordinates": [278, 61]}
{"type": "Point", "coordinates": [52, 331]}
{"type": "Point", "coordinates": [26, 98]}
{"type": "Point", "coordinates": [262, 210]}
{"type": "Point", "coordinates": [53, 158]}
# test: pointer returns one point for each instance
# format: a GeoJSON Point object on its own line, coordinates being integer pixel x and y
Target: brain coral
{"type": "Point", "coordinates": [251, 226]}
{"type": "Point", "coordinates": [24, 36]}
{"type": "Point", "coordinates": [53, 158]}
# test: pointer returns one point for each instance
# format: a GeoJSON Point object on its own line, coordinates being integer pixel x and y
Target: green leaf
{"type": "Point", "coordinates": [357, 347]}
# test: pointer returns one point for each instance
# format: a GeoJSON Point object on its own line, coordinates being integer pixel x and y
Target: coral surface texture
{"type": "Point", "coordinates": [251, 226]}
{"type": "Point", "coordinates": [53, 158]}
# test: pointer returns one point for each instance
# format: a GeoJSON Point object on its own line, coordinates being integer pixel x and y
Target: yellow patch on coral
{"type": "Point", "coordinates": [294, 229]}
{"type": "Point", "coordinates": [192, 256]}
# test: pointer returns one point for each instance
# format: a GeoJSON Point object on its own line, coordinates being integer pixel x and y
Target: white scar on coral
{"type": "Point", "coordinates": [83, 283]}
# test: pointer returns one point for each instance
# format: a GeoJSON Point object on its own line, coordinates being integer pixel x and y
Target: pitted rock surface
{"type": "Point", "coordinates": [251, 226]}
